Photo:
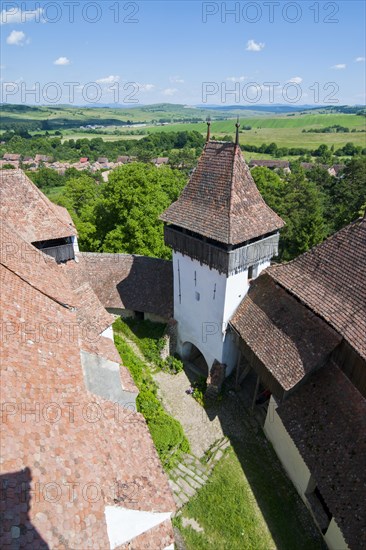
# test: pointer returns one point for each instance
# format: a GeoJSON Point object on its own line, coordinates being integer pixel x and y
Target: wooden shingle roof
{"type": "Point", "coordinates": [284, 335]}
{"type": "Point", "coordinates": [221, 201]}
{"type": "Point", "coordinates": [330, 279]}
{"type": "Point", "coordinates": [326, 418]}
{"type": "Point", "coordinates": [124, 281]}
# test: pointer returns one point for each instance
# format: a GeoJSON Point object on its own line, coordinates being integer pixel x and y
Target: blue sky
{"type": "Point", "coordinates": [188, 52]}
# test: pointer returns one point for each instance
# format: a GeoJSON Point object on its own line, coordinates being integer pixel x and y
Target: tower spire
{"type": "Point", "coordinates": [208, 129]}
{"type": "Point", "coordinates": [237, 132]}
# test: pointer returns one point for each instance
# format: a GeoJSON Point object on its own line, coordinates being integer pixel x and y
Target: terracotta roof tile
{"type": "Point", "coordinates": [26, 209]}
{"type": "Point", "coordinates": [221, 200]}
{"type": "Point", "coordinates": [65, 453]}
{"type": "Point", "coordinates": [285, 336]}
{"type": "Point", "coordinates": [326, 418]}
{"type": "Point", "coordinates": [331, 280]}
{"type": "Point", "coordinates": [123, 281]}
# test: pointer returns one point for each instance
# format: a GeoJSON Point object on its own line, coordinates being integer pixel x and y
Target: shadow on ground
{"type": "Point", "coordinates": [288, 519]}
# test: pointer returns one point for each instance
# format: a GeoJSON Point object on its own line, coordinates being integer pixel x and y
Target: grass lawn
{"type": "Point", "coordinates": [248, 504]}
{"type": "Point", "coordinates": [145, 334]}
{"type": "Point", "coordinates": [54, 192]}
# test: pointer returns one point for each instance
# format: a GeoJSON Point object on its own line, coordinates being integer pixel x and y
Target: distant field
{"type": "Point", "coordinates": [284, 130]}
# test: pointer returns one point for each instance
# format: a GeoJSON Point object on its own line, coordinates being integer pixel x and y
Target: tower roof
{"type": "Point", "coordinates": [221, 201]}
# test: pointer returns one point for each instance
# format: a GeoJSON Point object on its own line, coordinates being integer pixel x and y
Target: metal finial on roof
{"type": "Point", "coordinates": [237, 131]}
{"type": "Point", "coordinates": [208, 129]}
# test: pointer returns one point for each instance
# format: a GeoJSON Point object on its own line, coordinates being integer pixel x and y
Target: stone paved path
{"type": "Point", "coordinates": [191, 474]}
{"type": "Point", "coordinates": [201, 432]}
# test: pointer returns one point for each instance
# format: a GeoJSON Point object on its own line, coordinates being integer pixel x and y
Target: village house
{"type": "Point", "coordinates": [160, 161]}
{"type": "Point", "coordinates": [271, 164]}
{"type": "Point", "coordinates": [11, 157]}
{"type": "Point", "coordinates": [42, 158]}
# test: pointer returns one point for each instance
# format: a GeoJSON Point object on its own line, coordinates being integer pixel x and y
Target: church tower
{"type": "Point", "coordinates": [223, 235]}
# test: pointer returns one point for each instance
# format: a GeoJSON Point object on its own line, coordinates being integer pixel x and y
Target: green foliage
{"type": "Point", "coordinates": [127, 215]}
{"type": "Point", "coordinates": [199, 390]}
{"type": "Point", "coordinates": [238, 507]}
{"type": "Point", "coordinates": [348, 195]}
{"type": "Point", "coordinates": [45, 178]}
{"type": "Point", "coordinates": [166, 432]}
{"type": "Point", "coordinates": [171, 365]}
{"type": "Point", "coordinates": [148, 336]}
{"type": "Point", "coordinates": [299, 203]}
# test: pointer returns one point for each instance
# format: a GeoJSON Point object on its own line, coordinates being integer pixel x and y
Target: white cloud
{"type": "Point", "coordinates": [176, 80]}
{"type": "Point", "coordinates": [108, 79]}
{"type": "Point", "coordinates": [339, 67]}
{"type": "Point", "coordinates": [146, 87]}
{"type": "Point", "coordinates": [16, 38]}
{"type": "Point", "coordinates": [296, 80]}
{"type": "Point", "coordinates": [236, 78]}
{"type": "Point", "coordinates": [253, 46]}
{"type": "Point", "coordinates": [62, 61]}
{"type": "Point", "coordinates": [360, 59]}
{"type": "Point", "coordinates": [170, 91]}
{"type": "Point", "coordinates": [16, 15]}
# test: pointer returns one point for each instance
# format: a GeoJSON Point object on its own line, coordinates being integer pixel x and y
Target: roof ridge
{"type": "Point", "coordinates": [231, 192]}
{"type": "Point", "coordinates": [49, 204]}
{"type": "Point", "coordinates": [315, 248]}
{"type": "Point", "coordinates": [66, 306]}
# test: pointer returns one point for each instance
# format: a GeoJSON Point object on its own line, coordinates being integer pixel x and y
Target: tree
{"type": "Point", "coordinates": [300, 205]}
{"type": "Point", "coordinates": [127, 214]}
{"type": "Point", "coordinates": [349, 193]}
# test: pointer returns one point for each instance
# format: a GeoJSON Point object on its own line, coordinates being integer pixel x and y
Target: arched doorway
{"type": "Point", "coordinates": [194, 359]}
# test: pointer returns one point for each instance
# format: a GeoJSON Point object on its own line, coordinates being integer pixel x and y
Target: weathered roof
{"type": "Point", "coordinates": [123, 281]}
{"type": "Point", "coordinates": [326, 418]}
{"type": "Point", "coordinates": [331, 280]}
{"type": "Point", "coordinates": [83, 455]}
{"type": "Point", "coordinates": [221, 200]}
{"type": "Point", "coordinates": [270, 163]}
{"type": "Point", "coordinates": [26, 209]}
{"type": "Point", "coordinates": [284, 335]}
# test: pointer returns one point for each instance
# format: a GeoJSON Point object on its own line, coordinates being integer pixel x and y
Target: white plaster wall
{"type": "Point", "coordinates": [199, 322]}
{"type": "Point", "coordinates": [236, 288]}
{"type": "Point", "coordinates": [334, 538]}
{"type": "Point", "coordinates": [286, 450]}
{"type": "Point", "coordinates": [108, 333]}
{"type": "Point", "coordinates": [204, 322]}
{"type": "Point", "coordinates": [75, 245]}
{"type": "Point", "coordinates": [262, 266]}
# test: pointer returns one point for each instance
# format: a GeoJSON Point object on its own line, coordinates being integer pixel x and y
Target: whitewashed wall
{"type": "Point", "coordinates": [203, 322]}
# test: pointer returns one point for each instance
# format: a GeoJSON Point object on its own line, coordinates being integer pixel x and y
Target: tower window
{"type": "Point", "coordinates": [252, 272]}
{"type": "Point", "coordinates": [198, 296]}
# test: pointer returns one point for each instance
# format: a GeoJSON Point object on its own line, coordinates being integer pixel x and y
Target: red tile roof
{"type": "Point", "coordinates": [330, 279]}
{"type": "Point", "coordinates": [326, 419]}
{"type": "Point", "coordinates": [26, 209]}
{"type": "Point", "coordinates": [75, 452]}
{"type": "Point", "coordinates": [123, 281]}
{"type": "Point", "coordinates": [221, 200]}
{"type": "Point", "coordinates": [284, 335]}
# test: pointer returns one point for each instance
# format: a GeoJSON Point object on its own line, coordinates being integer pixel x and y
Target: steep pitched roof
{"type": "Point", "coordinates": [330, 279]}
{"type": "Point", "coordinates": [26, 209]}
{"type": "Point", "coordinates": [92, 456]}
{"type": "Point", "coordinates": [221, 200]}
{"type": "Point", "coordinates": [123, 281]}
{"type": "Point", "coordinates": [326, 419]}
{"type": "Point", "coordinates": [284, 335]}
